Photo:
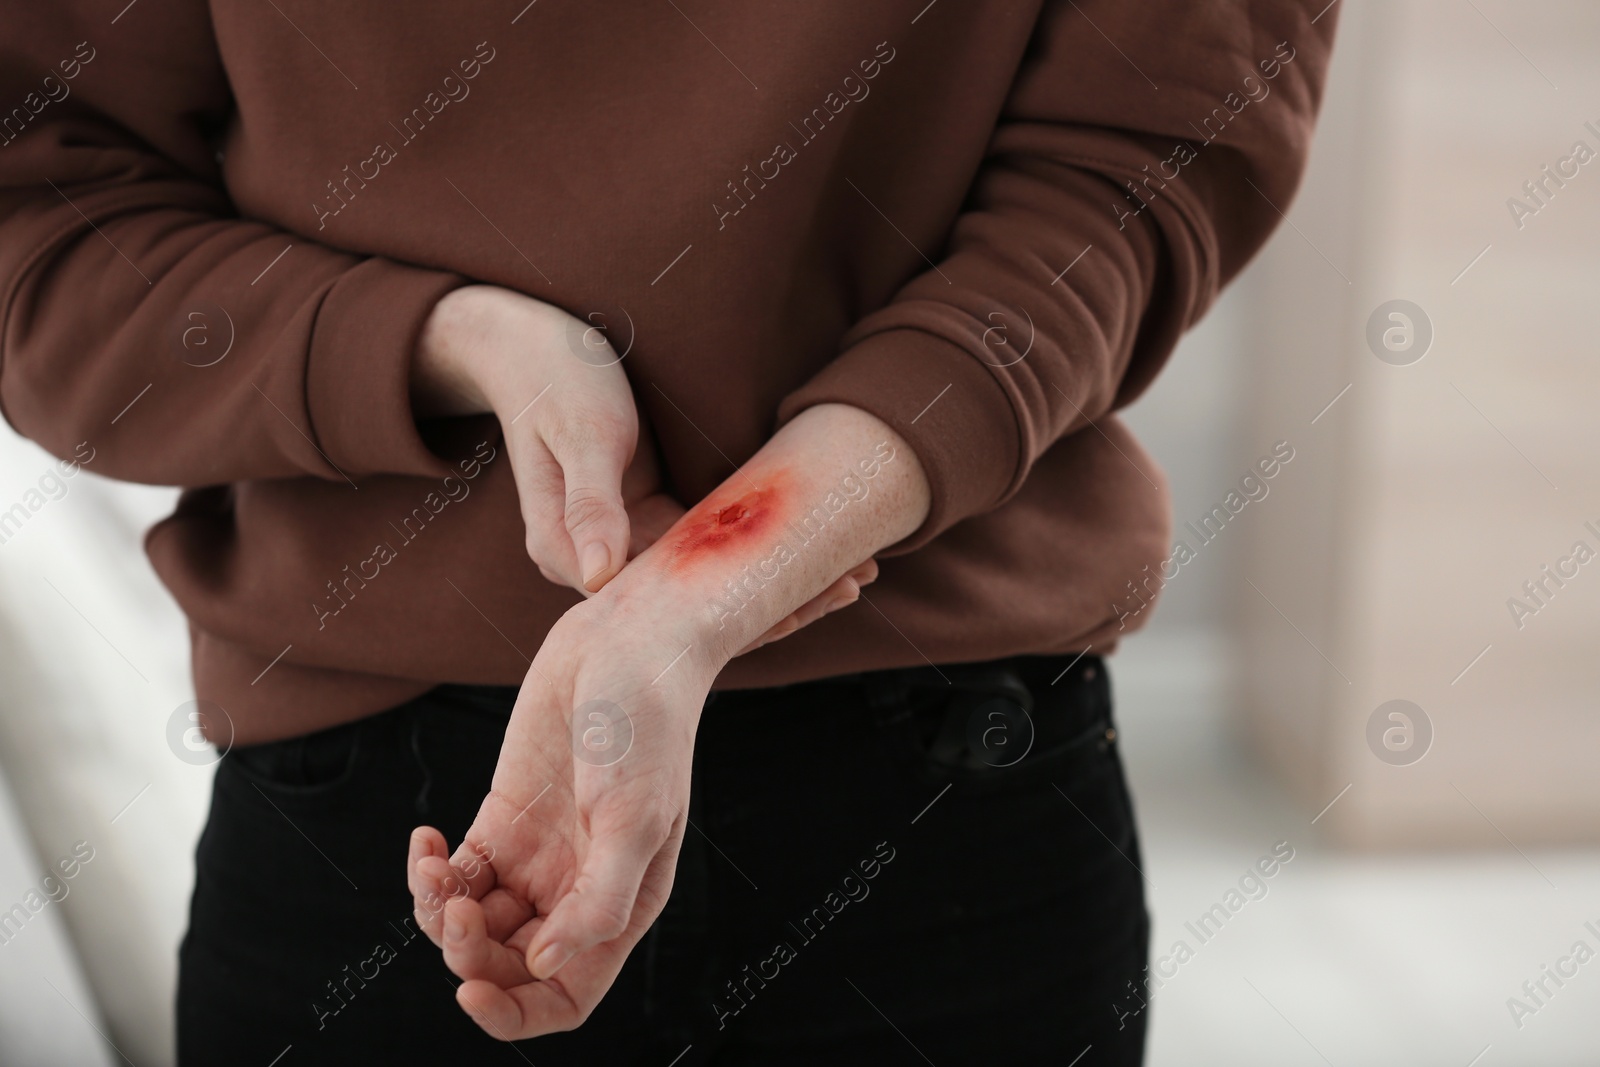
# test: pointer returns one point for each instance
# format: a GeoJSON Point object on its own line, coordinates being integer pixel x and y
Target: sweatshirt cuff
{"type": "Point", "coordinates": [945, 402]}
{"type": "Point", "coordinates": [358, 377]}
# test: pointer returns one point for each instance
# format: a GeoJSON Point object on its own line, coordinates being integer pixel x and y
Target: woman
{"type": "Point", "coordinates": [443, 316]}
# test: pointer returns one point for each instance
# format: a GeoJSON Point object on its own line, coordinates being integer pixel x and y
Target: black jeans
{"type": "Point", "coordinates": [900, 867]}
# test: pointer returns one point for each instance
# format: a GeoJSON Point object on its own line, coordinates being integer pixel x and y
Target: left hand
{"type": "Point", "coordinates": [572, 854]}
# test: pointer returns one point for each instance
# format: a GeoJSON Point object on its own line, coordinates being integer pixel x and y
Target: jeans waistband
{"type": "Point", "coordinates": [1013, 676]}
{"type": "Point", "coordinates": [999, 676]}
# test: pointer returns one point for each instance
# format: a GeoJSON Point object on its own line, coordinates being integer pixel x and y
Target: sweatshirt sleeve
{"type": "Point", "coordinates": [1144, 153]}
{"type": "Point", "coordinates": [139, 314]}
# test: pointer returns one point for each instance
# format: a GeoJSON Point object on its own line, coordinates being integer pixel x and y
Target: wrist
{"type": "Point", "coordinates": [671, 616]}
{"type": "Point", "coordinates": [467, 352]}
{"type": "Point", "coordinates": [441, 382]}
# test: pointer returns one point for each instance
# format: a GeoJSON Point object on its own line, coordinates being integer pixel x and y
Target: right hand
{"type": "Point", "coordinates": [570, 425]}
{"type": "Point", "coordinates": [590, 496]}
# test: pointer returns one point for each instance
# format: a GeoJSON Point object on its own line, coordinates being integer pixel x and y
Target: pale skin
{"type": "Point", "coordinates": [591, 497]}
{"type": "Point", "coordinates": [571, 856]}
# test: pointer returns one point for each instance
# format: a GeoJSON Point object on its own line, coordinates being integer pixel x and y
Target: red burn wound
{"type": "Point", "coordinates": [720, 524]}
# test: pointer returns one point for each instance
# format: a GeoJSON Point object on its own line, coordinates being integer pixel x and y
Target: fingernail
{"type": "Point", "coordinates": [593, 561]}
{"type": "Point", "coordinates": [840, 601]}
{"type": "Point", "coordinates": [454, 928]}
{"type": "Point", "coordinates": [548, 961]}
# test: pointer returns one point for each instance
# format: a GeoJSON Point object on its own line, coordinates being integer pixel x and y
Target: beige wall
{"type": "Point", "coordinates": [1424, 498]}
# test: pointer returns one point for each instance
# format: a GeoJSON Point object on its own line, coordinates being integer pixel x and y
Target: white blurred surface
{"type": "Point", "coordinates": [95, 657]}
{"type": "Point", "coordinates": [48, 1017]}
{"type": "Point", "coordinates": [1401, 959]}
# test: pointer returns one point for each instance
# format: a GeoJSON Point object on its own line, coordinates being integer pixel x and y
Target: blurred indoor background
{"type": "Point", "coordinates": [1440, 461]}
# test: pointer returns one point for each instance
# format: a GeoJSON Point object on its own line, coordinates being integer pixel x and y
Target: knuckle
{"type": "Point", "coordinates": [658, 827]}
{"type": "Point", "coordinates": [605, 911]}
{"type": "Point", "coordinates": [567, 436]}
{"type": "Point", "coordinates": [609, 916]}
{"type": "Point", "coordinates": [587, 508]}
{"type": "Point", "coordinates": [588, 424]}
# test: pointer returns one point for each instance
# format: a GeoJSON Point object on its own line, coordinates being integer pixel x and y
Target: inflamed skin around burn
{"type": "Point", "coordinates": [766, 514]}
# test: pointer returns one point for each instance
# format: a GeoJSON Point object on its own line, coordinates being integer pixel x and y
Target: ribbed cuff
{"type": "Point", "coordinates": [947, 405]}
{"type": "Point", "coordinates": [358, 378]}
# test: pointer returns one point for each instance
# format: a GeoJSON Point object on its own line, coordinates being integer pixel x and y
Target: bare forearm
{"type": "Point", "coordinates": [829, 490]}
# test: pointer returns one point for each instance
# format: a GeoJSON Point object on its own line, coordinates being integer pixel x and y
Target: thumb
{"type": "Point", "coordinates": [601, 905]}
{"type": "Point", "coordinates": [595, 517]}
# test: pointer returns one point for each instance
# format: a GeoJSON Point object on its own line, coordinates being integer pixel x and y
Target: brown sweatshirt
{"type": "Point", "coordinates": [987, 223]}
